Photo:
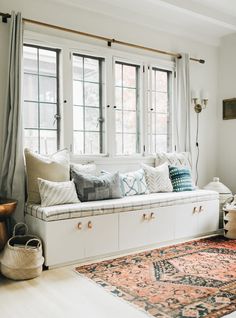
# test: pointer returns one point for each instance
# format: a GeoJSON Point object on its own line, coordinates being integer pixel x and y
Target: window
{"type": "Point", "coordinates": [116, 103]}
{"type": "Point", "coordinates": [88, 110]}
{"type": "Point", "coordinates": [41, 99]}
{"type": "Point", "coordinates": [127, 109]}
{"type": "Point", "coordinates": [159, 110]}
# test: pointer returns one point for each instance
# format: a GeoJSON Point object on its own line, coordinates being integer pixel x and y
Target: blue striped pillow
{"type": "Point", "coordinates": [181, 179]}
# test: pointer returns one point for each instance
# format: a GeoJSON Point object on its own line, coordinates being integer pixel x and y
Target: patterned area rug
{"type": "Point", "coordinates": [190, 280]}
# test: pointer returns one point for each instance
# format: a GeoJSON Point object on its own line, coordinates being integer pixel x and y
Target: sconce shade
{"type": "Point", "coordinates": [194, 94]}
{"type": "Point", "coordinates": [204, 94]}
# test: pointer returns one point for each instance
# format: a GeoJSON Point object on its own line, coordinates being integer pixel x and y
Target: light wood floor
{"type": "Point", "coordinates": [61, 293]}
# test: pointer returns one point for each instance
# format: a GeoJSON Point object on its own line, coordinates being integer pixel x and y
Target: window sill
{"type": "Point", "coordinates": [103, 158]}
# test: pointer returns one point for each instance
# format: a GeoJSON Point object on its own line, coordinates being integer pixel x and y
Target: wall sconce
{"type": "Point", "coordinates": [199, 106]}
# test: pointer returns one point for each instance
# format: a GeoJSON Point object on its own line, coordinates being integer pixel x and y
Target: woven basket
{"type": "Point", "coordinates": [22, 256]}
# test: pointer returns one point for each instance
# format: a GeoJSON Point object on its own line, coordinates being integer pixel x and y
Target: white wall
{"type": "Point", "coordinates": [202, 76]}
{"type": "Point", "coordinates": [227, 128]}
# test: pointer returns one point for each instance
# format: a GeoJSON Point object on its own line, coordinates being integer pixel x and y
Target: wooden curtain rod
{"type": "Point", "coordinates": [109, 41]}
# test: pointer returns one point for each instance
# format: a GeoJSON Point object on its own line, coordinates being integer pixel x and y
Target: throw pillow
{"type": "Point", "coordinates": [181, 179]}
{"type": "Point", "coordinates": [55, 193]}
{"type": "Point", "coordinates": [133, 183]}
{"type": "Point", "coordinates": [157, 179]}
{"type": "Point", "coordinates": [178, 159]}
{"type": "Point", "coordinates": [88, 168]}
{"type": "Point", "coordinates": [92, 188]}
{"type": "Point", "coordinates": [53, 168]}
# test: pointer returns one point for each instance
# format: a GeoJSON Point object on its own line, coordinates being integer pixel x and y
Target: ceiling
{"type": "Point", "coordinates": [203, 20]}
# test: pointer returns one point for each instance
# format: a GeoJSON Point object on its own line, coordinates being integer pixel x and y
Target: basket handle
{"type": "Point", "coordinates": [31, 240]}
{"type": "Point", "coordinates": [20, 224]}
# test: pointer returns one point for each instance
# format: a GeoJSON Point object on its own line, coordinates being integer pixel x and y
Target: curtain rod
{"type": "Point", "coordinates": [109, 41]}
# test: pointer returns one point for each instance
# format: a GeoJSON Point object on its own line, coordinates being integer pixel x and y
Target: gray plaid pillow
{"type": "Point", "coordinates": [93, 188]}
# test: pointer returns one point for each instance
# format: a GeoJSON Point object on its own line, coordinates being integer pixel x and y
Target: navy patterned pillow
{"type": "Point", "coordinates": [181, 179]}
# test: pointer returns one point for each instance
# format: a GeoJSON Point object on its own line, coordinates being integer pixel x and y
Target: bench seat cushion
{"type": "Point", "coordinates": [130, 203]}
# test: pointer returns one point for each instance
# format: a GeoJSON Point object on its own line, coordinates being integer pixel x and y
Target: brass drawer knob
{"type": "Point", "coordinates": [152, 216]}
{"type": "Point", "coordinates": [90, 225]}
{"type": "Point", "coordinates": [145, 216]}
{"type": "Point", "coordinates": [79, 226]}
{"type": "Point", "coordinates": [195, 210]}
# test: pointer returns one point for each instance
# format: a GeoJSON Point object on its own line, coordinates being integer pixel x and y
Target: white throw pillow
{"type": "Point", "coordinates": [55, 193]}
{"type": "Point", "coordinates": [133, 183]}
{"type": "Point", "coordinates": [158, 179]}
{"type": "Point", "coordinates": [88, 168]}
{"type": "Point", "coordinates": [178, 159]}
{"type": "Point", "coordinates": [53, 168]}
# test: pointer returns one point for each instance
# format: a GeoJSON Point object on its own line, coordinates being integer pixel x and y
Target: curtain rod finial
{"type": "Point", "coordinates": [5, 16]}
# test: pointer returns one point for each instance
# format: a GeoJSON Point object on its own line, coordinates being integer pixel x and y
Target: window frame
{"type": "Point", "coordinates": [57, 116]}
{"type": "Point", "coordinates": [170, 91]}
{"type": "Point", "coordinates": [139, 83]}
{"type": "Point", "coordinates": [102, 141]}
{"type": "Point", "coordinates": [97, 49]}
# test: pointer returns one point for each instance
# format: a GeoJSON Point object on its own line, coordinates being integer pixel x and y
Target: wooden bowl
{"type": "Point", "coordinates": [7, 207]}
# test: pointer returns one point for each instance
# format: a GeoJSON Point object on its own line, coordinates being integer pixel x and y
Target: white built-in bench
{"type": "Point", "coordinates": [88, 230]}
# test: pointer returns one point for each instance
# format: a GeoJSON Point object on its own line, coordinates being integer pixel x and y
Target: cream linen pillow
{"type": "Point", "coordinates": [53, 168]}
{"type": "Point", "coordinates": [55, 193]}
{"type": "Point", "coordinates": [157, 178]}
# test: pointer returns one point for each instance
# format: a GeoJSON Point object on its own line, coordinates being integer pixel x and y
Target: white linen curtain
{"type": "Point", "coordinates": [12, 175]}
{"type": "Point", "coordinates": [183, 99]}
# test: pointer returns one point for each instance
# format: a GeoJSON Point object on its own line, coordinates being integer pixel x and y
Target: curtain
{"type": "Point", "coordinates": [182, 110]}
{"type": "Point", "coordinates": [12, 175]}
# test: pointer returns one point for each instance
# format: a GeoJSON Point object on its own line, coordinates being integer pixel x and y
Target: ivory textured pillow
{"type": "Point", "coordinates": [55, 193]}
{"type": "Point", "coordinates": [158, 178]}
{"type": "Point", "coordinates": [54, 168]}
{"type": "Point", "coordinates": [178, 159]}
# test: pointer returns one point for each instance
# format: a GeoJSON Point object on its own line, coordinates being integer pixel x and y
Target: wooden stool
{"type": "Point", "coordinates": [7, 207]}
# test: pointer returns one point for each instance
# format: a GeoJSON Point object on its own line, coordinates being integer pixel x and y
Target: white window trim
{"type": "Point", "coordinates": [68, 47]}
{"type": "Point", "coordinates": [139, 63]}
{"type": "Point", "coordinates": [171, 103]}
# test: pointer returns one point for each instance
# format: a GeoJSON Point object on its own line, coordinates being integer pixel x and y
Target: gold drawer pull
{"type": "Point", "coordinates": [201, 208]}
{"type": "Point", "coordinates": [79, 226]}
{"type": "Point", "coordinates": [90, 225]}
{"type": "Point", "coordinates": [195, 210]}
{"type": "Point", "coordinates": [145, 216]}
{"type": "Point", "coordinates": [152, 216]}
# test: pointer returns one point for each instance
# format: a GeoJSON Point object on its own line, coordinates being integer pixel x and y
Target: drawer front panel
{"type": "Point", "coordinates": [65, 242]}
{"type": "Point", "coordinates": [161, 225]}
{"type": "Point", "coordinates": [133, 229]}
{"type": "Point", "coordinates": [186, 220]}
{"type": "Point", "coordinates": [101, 234]}
{"type": "Point", "coordinates": [208, 216]}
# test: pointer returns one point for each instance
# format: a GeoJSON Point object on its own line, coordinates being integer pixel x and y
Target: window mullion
{"type": "Point", "coordinates": [39, 144]}
{"type": "Point", "coordinates": [67, 82]}
{"type": "Point", "coordinates": [145, 111]}
{"type": "Point", "coordinates": [110, 94]}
